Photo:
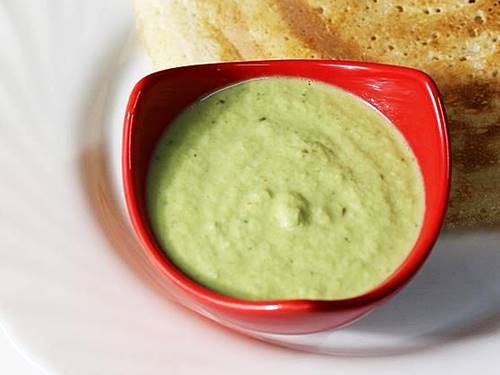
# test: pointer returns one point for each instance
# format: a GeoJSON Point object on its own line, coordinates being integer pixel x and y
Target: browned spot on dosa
{"type": "Point", "coordinates": [308, 25]}
{"type": "Point", "coordinates": [475, 97]}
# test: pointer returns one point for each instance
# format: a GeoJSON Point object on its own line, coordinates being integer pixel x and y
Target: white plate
{"type": "Point", "coordinates": [77, 296]}
{"type": "Point", "coordinates": [12, 361]}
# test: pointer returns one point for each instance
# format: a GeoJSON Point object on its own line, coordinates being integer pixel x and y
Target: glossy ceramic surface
{"type": "Point", "coordinates": [76, 294]}
{"type": "Point", "coordinates": [407, 97]}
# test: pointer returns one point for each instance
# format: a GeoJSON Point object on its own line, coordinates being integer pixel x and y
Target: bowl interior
{"type": "Point", "coordinates": [407, 97]}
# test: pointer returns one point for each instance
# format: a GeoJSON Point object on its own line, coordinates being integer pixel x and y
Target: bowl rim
{"type": "Point", "coordinates": [396, 280]}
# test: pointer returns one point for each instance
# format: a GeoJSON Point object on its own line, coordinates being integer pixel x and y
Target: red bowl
{"type": "Point", "coordinates": [408, 97]}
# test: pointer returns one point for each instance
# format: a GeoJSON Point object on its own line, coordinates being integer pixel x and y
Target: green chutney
{"type": "Point", "coordinates": [284, 188]}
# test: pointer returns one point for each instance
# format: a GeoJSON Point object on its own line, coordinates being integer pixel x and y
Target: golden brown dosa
{"type": "Point", "coordinates": [456, 42]}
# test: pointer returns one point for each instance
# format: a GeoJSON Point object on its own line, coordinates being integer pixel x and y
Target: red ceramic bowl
{"type": "Point", "coordinates": [409, 98]}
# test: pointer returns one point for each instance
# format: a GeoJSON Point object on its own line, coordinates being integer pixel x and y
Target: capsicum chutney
{"type": "Point", "coordinates": [284, 188]}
